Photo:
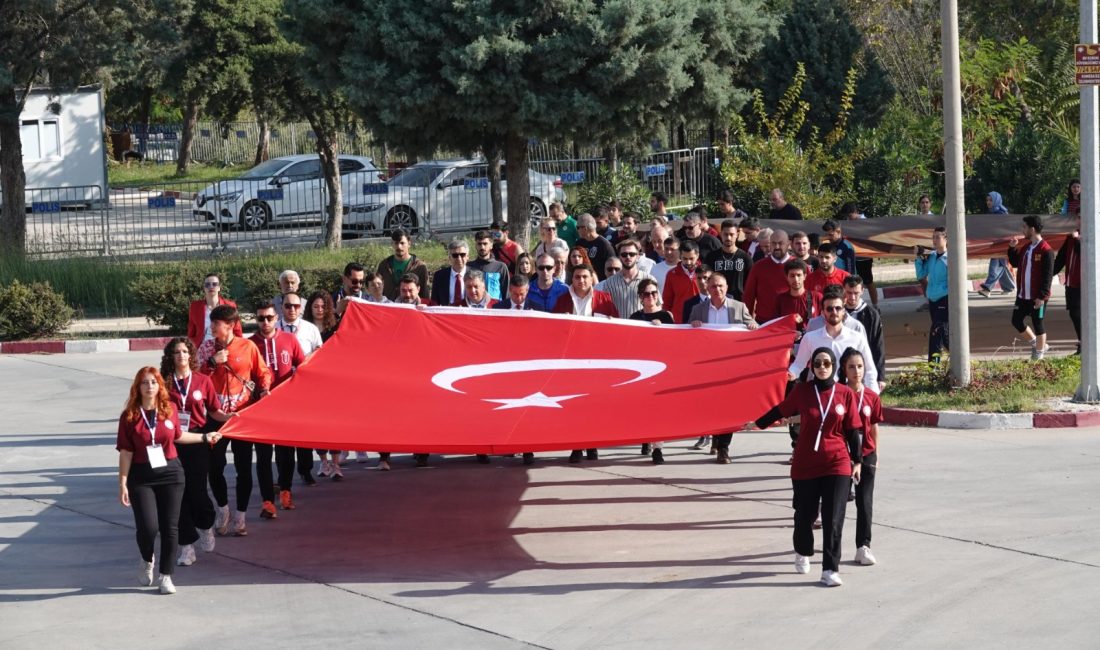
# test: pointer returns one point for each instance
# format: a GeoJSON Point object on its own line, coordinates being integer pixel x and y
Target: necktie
{"type": "Point", "coordinates": [458, 288]}
{"type": "Point", "coordinates": [293, 329]}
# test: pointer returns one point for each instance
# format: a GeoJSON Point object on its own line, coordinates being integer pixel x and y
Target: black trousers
{"type": "Point", "coordinates": [285, 458]}
{"type": "Point", "coordinates": [865, 494]}
{"type": "Point", "coordinates": [1073, 304]}
{"type": "Point", "coordinates": [155, 496]}
{"type": "Point", "coordinates": [242, 462]}
{"type": "Point", "coordinates": [722, 441]}
{"type": "Point", "coordinates": [217, 467]}
{"type": "Point", "coordinates": [830, 493]}
{"type": "Point", "coordinates": [1026, 308]}
{"type": "Point", "coordinates": [939, 333]}
{"type": "Point", "coordinates": [196, 510]}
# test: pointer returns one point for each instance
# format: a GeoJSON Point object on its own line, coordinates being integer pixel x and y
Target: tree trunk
{"type": "Point", "coordinates": [327, 150]}
{"type": "Point", "coordinates": [13, 182]}
{"type": "Point", "coordinates": [264, 142]}
{"type": "Point", "coordinates": [611, 157]}
{"type": "Point", "coordinates": [146, 111]}
{"type": "Point", "coordinates": [190, 118]}
{"type": "Point", "coordinates": [492, 158]}
{"type": "Point", "coordinates": [519, 190]}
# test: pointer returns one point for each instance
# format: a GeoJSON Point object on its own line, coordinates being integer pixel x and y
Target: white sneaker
{"type": "Point", "coordinates": [187, 555]}
{"type": "Point", "coordinates": [166, 586]}
{"type": "Point", "coordinates": [337, 473]}
{"type": "Point", "coordinates": [221, 520]}
{"type": "Point", "coordinates": [326, 469]}
{"type": "Point", "coordinates": [1038, 353]}
{"type": "Point", "coordinates": [817, 523]}
{"type": "Point", "coordinates": [384, 465]}
{"type": "Point", "coordinates": [864, 556]}
{"type": "Point", "coordinates": [343, 457]}
{"type": "Point", "coordinates": [801, 563]}
{"type": "Point", "coordinates": [831, 579]}
{"type": "Point", "coordinates": [238, 528]}
{"type": "Point", "coordinates": [145, 578]}
{"type": "Point", "coordinates": [361, 457]}
{"type": "Point", "coordinates": [206, 539]}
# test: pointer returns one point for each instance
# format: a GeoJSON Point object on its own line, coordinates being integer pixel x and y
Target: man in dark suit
{"type": "Point", "coordinates": [517, 295]}
{"type": "Point", "coordinates": [449, 282]}
{"type": "Point", "coordinates": [702, 276]}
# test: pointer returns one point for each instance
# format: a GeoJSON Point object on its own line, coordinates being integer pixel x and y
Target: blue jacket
{"type": "Point", "coordinates": [545, 300]}
{"type": "Point", "coordinates": [845, 256]}
{"type": "Point", "coordinates": [935, 269]}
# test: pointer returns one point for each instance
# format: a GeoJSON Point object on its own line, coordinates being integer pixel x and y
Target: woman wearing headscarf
{"type": "Point", "coordinates": [998, 266]}
{"type": "Point", "coordinates": [826, 460]}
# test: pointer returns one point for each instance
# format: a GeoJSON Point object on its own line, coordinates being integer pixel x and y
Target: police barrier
{"type": "Point", "coordinates": [66, 221]}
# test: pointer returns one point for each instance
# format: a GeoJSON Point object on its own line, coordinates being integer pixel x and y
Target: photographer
{"type": "Point", "coordinates": [933, 267]}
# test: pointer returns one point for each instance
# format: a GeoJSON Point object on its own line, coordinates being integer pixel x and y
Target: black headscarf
{"type": "Point", "coordinates": [823, 384]}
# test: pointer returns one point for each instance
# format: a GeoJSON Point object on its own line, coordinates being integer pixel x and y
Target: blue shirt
{"type": "Point", "coordinates": [545, 300]}
{"type": "Point", "coordinates": [935, 269]}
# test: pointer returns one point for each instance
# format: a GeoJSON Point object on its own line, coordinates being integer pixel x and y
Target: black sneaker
{"type": "Point", "coordinates": [309, 480]}
{"type": "Point", "coordinates": [658, 457]}
{"type": "Point", "coordinates": [528, 459]}
{"type": "Point", "coordinates": [483, 459]}
{"type": "Point", "coordinates": [421, 460]}
{"type": "Point", "coordinates": [592, 454]}
{"type": "Point", "coordinates": [646, 448]}
{"type": "Point", "coordinates": [576, 456]}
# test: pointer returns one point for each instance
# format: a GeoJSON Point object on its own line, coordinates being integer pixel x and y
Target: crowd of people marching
{"type": "Point", "coordinates": [704, 269]}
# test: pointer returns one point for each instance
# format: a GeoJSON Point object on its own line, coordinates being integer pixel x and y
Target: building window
{"type": "Point", "coordinates": [41, 139]}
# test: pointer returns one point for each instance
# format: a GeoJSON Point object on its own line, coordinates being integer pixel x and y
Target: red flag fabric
{"type": "Point", "coordinates": [447, 380]}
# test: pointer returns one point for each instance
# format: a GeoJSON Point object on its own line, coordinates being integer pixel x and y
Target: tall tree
{"type": "Point", "coordinates": [821, 35]}
{"type": "Point", "coordinates": [54, 42]}
{"type": "Point", "coordinates": [431, 73]}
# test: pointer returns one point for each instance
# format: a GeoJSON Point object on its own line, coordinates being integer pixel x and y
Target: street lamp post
{"type": "Point", "coordinates": [1089, 388]}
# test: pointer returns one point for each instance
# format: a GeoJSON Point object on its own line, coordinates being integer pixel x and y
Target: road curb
{"type": "Point", "coordinates": [990, 421]}
{"type": "Point", "coordinates": [85, 346]}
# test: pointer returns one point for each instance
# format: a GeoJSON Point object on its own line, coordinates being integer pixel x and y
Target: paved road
{"type": "Point", "coordinates": [984, 539]}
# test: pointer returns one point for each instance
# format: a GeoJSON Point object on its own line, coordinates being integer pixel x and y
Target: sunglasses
{"type": "Point", "coordinates": [291, 305]}
{"type": "Point", "coordinates": [211, 285]}
{"type": "Point", "coordinates": [649, 294]}
{"type": "Point", "coordinates": [266, 319]}
{"type": "Point", "coordinates": [624, 254]}
{"type": "Point", "coordinates": [823, 363]}
{"type": "Point", "coordinates": [455, 256]}
{"type": "Point", "coordinates": [356, 283]}
{"type": "Point", "coordinates": [835, 308]}
{"type": "Point", "coordinates": [614, 269]}
{"type": "Point", "coordinates": [546, 268]}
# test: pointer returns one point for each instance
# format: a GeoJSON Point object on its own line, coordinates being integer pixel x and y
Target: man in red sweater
{"type": "Point", "coordinates": [767, 279]}
{"type": "Point", "coordinates": [1034, 262]}
{"type": "Point", "coordinates": [827, 271]}
{"type": "Point", "coordinates": [680, 284]}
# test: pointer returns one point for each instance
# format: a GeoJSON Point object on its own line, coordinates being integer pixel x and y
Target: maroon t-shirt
{"type": "Point", "coordinates": [807, 306]}
{"type": "Point", "coordinates": [831, 457]}
{"type": "Point", "coordinates": [870, 412]}
{"type": "Point", "coordinates": [282, 353]}
{"type": "Point", "coordinates": [135, 436]}
{"type": "Point", "coordinates": [201, 398]}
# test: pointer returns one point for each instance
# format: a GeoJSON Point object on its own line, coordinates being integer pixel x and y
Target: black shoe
{"type": "Point", "coordinates": [852, 494]}
{"type": "Point", "coordinates": [483, 459]}
{"type": "Point", "coordinates": [309, 480]}
{"type": "Point", "coordinates": [724, 457]}
{"type": "Point", "coordinates": [421, 460]}
{"type": "Point", "coordinates": [593, 454]}
{"type": "Point", "coordinates": [646, 448]}
{"type": "Point", "coordinates": [658, 457]}
{"type": "Point", "coordinates": [528, 459]}
{"type": "Point", "coordinates": [576, 456]}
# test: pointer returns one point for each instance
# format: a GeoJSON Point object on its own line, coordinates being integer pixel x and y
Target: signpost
{"type": "Point", "coordinates": [1086, 58]}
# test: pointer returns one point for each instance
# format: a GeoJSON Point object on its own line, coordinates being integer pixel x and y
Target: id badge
{"type": "Point", "coordinates": [185, 421]}
{"type": "Point", "coordinates": [156, 456]}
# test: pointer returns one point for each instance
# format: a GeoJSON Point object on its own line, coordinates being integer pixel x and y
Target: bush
{"type": "Point", "coordinates": [31, 311]}
{"type": "Point", "coordinates": [622, 184]}
{"type": "Point", "coordinates": [166, 291]}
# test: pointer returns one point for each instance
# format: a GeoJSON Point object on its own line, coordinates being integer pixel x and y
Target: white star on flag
{"type": "Point", "coordinates": [539, 400]}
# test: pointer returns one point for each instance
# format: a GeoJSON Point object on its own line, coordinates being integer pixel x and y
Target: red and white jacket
{"type": "Point", "coordinates": [1034, 271]}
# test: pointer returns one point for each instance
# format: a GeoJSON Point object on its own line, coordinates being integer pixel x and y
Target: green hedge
{"type": "Point", "coordinates": [31, 311]}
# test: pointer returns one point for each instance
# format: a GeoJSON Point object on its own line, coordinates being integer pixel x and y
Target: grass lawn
{"type": "Point", "coordinates": [1002, 386]}
{"type": "Point", "coordinates": [138, 174]}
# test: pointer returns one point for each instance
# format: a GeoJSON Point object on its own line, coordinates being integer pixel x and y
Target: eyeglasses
{"type": "Point", "coordinates": [266, 319]}
{"type": "Point", "coordinates": [291, 305]}
{"type": "Point", "coordinates": [649, 294]}
{"type": "Point", "coordinates": [625, 254]}
{"type": "Point", "coordinates": [211, 285]}
{"type": "Point", "coordinates": [455, 256]}
{"type": "Point", "coordinates": [546, 268]}
{"type": "Point", "coordinates": [823, 363]}
{"type": "Point", "coordinates": [835, 308]}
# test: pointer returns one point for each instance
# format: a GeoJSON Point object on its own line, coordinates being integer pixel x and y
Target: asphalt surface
{"type": "Point", "coordinates": [983, 539]}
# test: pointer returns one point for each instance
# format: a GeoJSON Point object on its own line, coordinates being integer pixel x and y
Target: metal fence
{"type": "Point", "coordinates": [287, 212]}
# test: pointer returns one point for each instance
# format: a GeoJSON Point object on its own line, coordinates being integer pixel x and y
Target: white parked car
{"type": "Point", "coordinates": [284, 190]}
{"type": "Point", "coordinates": [446, 195]}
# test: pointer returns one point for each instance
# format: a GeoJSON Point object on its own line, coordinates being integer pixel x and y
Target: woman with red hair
{"type": "Point", "coordinates": [150, 477]}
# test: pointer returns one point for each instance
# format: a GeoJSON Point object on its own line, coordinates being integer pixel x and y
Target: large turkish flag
{"type": "Point", "coordinates": [448, 380]}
